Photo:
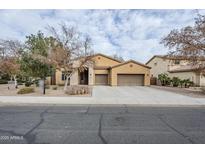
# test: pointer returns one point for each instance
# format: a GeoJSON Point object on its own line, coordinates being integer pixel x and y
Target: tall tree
{"type": "Point", "coordinates": [70, 50]}
{"type": "Point", "coordinates": [188, 42]}
{"type": "Point", "coordinates": [10, 53]}
{"type": "Point", "coordinates": [35, 62]}
{"type": "Point", "coordinates": [118, 57]}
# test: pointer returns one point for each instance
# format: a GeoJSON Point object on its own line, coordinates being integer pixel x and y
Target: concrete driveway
{"type": "Point", "coordinates": [132, 95]}
{"type": "Point", "coordinates": [141, 95]}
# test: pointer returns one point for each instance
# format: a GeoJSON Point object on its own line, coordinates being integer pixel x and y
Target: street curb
{"type": "Point", "coordinates": [92, 104]}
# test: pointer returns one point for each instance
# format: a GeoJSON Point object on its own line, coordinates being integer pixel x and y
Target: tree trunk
{"type": "Point", "coordinates": [66, 82]}
{"type": "Point", "coordinates": [42, 86]}
{"type": "Point", "coordinates": [15, 82]}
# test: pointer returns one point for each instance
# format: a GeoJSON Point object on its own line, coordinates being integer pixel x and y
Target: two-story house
{"type": "Point", "coordinates": [176, 66]}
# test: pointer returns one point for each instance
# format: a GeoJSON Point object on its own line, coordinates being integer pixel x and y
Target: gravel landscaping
{"type": "Point", "coordinates": [50, 91]}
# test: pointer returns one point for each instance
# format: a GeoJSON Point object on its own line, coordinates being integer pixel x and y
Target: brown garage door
{"type": "Point", "coordinates": [130, 79]}
{"type": "Point", "coordinates": [101, 79]}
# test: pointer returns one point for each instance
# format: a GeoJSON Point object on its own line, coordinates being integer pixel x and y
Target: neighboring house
{"type": "Point", "coordinates": [106, 70]}
{"type": "Point", "coordinates": [176, 67]}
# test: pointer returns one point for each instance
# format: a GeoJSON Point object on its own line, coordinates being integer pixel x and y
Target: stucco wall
{"type": "Point", "coordinates": [91, 75]}
{"type": "Point", "coordinates": [101, 71]}
{"type": "Point", "coordinates": [74, 80]}
{"type": "Point", "coordinates": [160, 67]}
{"type": "Point", "coordinates": [126, 69]}
{"type": "Point", "coordinates": [104, 61]}
{"type": "Point", "coordinates": [59, 77]}
{"type": "Point", "coordinates": [202, 80]}
{"type": "Point", "coordinates": [48, 80]}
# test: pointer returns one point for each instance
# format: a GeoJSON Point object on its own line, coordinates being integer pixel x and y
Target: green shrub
{"type": "Point", "coordinates": [26, 90]}
{"type": "Point", "coordinates": [28, 83]}
{"type": "Point", "coordinates": [36, 82]}
{"type": "Point", "coordinates": [2, 81]}
{"type": "Point", "coordinates": [55, 88]}
{"type": "Point", "coordinates": [188, 83]}
{"type": "Point", "coordinates": [164, 79]}
{"type": "Point", "coordinates": [181, 83]}
{"type": "Point", "coordinates": [175, 81]}
{"type": "Point", "coordinates": [60, 84]}
{"type": "Point", "coordinates": [20, 83]}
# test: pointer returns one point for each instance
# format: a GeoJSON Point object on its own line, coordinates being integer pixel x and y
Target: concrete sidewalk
{"type": "Point", "coordinates": [113, 95]}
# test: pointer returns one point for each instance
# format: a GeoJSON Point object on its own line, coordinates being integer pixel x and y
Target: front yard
{"type": "Point", "coordinates": [50, 91]}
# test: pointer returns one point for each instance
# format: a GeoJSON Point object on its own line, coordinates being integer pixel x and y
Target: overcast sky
{"type": "Point", "coordinates": [132, 34]}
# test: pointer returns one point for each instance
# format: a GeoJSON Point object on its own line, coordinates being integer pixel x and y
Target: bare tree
{"type": "Point", "coordinates": [118, 57]}
{"type": "Point", "coordinates": [10, 51]}
{"type": "Point", "coordinates": [70, 50]}
{"type": "Point", "coordinates": [188, 42]}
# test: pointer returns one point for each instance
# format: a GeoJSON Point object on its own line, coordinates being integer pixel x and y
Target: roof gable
{"type": "Point", "coordinates": [153, 57]}
{"type": "Point", "coordinates": [131, 61]}
{"type": "Point", "coordinates": [173, 58]}
{"type": "Point", "coordinates": [108, 57]}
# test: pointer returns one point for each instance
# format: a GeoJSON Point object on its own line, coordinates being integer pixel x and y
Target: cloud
{"type": "Point", "coordinates": [133, 34]}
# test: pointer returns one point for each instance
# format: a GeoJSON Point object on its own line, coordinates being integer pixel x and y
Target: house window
{"type": "Point", "coordinates": [177, 62]}
{"type": "Point", "coordinates": [63, 77]}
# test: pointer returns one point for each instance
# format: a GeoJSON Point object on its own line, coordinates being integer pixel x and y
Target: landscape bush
{"type": "Point", "coordinates": [175, 81]}
{"type": "Point", "coordinates": [28, 83]}
{"type": "Point", "coordinates": [78, 90]}
{"type": "Point", "coordinates": [61, 84]}
{"type": "Point", "coordinates": [36, 82]}
{"type": "Point", "coordinates": [54, 88]}
{"type": "Point", "coordinates": [165, 80]}
{"type": "Point", "coordinates": [188, 83]}
{"type": "Point", "coordinates": [26, 90]}
{"type": "Point", "coordinates": [2, 81]}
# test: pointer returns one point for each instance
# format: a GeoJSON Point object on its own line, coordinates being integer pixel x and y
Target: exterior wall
{"type": "Point", "coordinates": [103, 61]}
{"type": "Point", "coordinates": [74, 79]}
{"type": "Point", "coordinates": [158, 66]}
{"type": "Point", "coordinates": [202, 80]}
{"type": "Point", "coordinates": [48, 80]}
{"type": "Point", "coordinates": [126, 69]}
{"type": "Point", "coordinates": [59, 80]}
{"type": "Point", "coordinates": [90, 75]}
{"type": "Point", "coordinates": [101, 71]}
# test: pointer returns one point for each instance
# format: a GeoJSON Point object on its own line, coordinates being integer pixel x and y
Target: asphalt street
{"type": "Point", "coordinates": [108, 124]}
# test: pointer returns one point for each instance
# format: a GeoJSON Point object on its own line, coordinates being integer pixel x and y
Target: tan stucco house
{"type": "Point", "coordinates": [107, 71]}
{"type": "Point", "coordinates": [175, 66]}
